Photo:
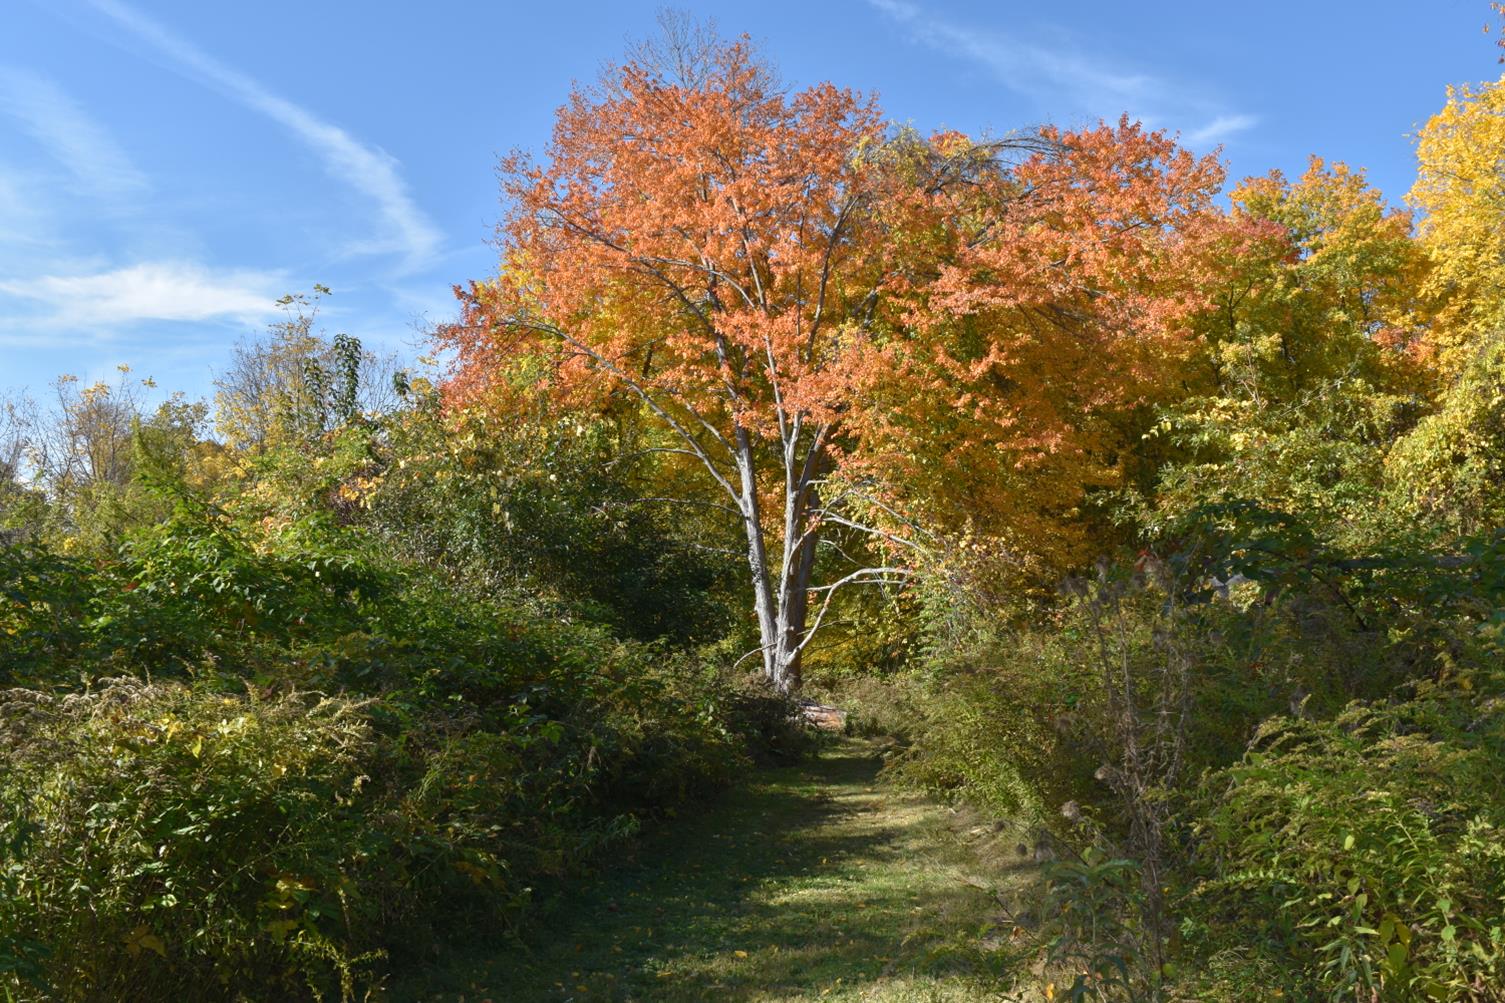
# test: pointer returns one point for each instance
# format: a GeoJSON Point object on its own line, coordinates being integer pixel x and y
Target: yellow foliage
{"type": "Point", "coordinates": [1452, 466]}
{"type": "Point", "coordinates": [1460, 190]}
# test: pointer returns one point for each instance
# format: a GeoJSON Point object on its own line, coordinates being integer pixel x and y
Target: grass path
{"type": "Point", "coordinates": [809, 882]}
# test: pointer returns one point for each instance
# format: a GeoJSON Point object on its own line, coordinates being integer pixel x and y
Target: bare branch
{"type": "Point", "coordinates": [874, 531]}
{"type": "Point", "coordinates": [647, 399]}
{"type": "Point", "coordinates": [668, 500]}
{"type": "Point", "coordinates": [648, 451]}
{"type": "Point", "coordinates": [902, 575]}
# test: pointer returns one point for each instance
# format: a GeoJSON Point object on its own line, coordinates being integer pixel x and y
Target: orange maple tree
{"type": "Point", "coordinates": [1052, 303]}
{"type": "Point", "coordinates": [802, 298]}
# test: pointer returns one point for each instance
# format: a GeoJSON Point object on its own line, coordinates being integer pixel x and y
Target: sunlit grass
{"type": "Point", "coordinates": [813, 882]}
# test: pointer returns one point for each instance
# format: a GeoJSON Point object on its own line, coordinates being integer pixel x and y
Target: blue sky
{"type": "Point", "coordinates": [169, 168]}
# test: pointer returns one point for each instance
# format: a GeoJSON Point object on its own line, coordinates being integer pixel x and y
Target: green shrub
{"type": "Point", "coordinates": [221, 833]}
{"type": "Point", "coordinates": [43, 598]}
{"type": "Point", "coordinates": [1364, 852]}
{"type": "Point", "coordinates": [1095, 940]}
{"type": "Point", "coordinates": [159, 841]}
{"type": "Point", "coordinates": [1022, 719]}
{"type": "Point", "coordinates": [887, 706]}
{"type": "Point", "coordinates": [973, 740]}
{"type": "Point", "coordinates": [1451, 468]}
{"type": "Point", "coordinates": [242, 837]}
{"type": "Point", "coordinates": [550, 505]}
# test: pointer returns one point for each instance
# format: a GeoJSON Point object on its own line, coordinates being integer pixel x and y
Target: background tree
{"type": "Point", "coordinates": [21, 504]}
{"type": "Point", "coordinates": [1308, 363]}
{"type": "Point", "coordinates": [1460, 193]}
{"type": "Point", "coordinates": [294, 384]}
{"type": "Point", "coordinates": [1450, 470]}
{"type": "Point", "coordinates": [82, 455]}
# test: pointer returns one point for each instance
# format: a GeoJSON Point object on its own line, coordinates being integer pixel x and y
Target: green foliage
{"type": "Point", "coordinates": [974, 740]}
{"type": "Point", "coordinates": [1093, 934]}
{"type": "Point", "coordinates": [1143, 681]}
{"type": "Point", "coordinates": [1319, 456]}
{"type": "Point", "coordinates": [43, 602]}
{"type": "Point", "coordinates": [484, 751]}
{"type": "Point", "coordinates": [161, 842]}
{"type": "Point", "coordinates": [767, 721]}
{"type": "Point", "coordinates": [551, 508]}
{"type": "Point", "coordinates": [1364, 851]}
{"type": "Point", "coordinates": [201, 590]}
{"type": "Point", "coordinates": [1023, 718]}
{"type": "Point", "coordinates": [1451, 469]}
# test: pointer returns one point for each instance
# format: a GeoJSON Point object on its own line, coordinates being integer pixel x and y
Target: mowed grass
{"type": "Point", "coordinates": [809, 882]}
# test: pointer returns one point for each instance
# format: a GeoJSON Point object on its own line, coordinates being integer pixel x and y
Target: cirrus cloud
{"type": "Point", "coordinates": [1062, 77]}
{"type": "Point", "coordinates": [69, 134]}
{"type": "Point", "coordinates": [405, 229]}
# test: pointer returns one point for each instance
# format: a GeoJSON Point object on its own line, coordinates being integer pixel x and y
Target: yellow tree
{"type": "Point", "coordinates": [1335, 288]}
{"type": "Point", "coordinates": [1308, 361]}
{"type": "Point", "coordinates": [1460, 192]}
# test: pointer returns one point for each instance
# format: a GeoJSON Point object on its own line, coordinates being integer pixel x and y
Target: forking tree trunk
{"type": "Point", "coordinates": [780, 599]}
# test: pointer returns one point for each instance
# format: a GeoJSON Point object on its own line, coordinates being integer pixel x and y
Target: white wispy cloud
{"type": "Point", "coordinates": [28, 217]}
{"type": "Point", "coordinates": [102, 301]}
{"type": "Point", "coordinates": [406, 230]}
{"type": "Point", "coordinates": [1219, 129]}
{"type": "Point", "coordinates": [69, 134]}
{"type": "Point", "coordinates": [1063, 77]}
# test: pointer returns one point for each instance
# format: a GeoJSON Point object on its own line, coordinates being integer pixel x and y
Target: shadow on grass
{"type": "Point", "coordinates": [807, 880]}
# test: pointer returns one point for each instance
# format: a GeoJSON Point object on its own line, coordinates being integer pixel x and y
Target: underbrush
{"type": "Point", "coordinates": [1364, 851]}
{"type": "Point", "coordinates": [1269, 786]}
{"type": "Point", "coordinates": [159, 840]}
{"type": "Point", "coordinates": [164, 839]}
{"type": "Point", "coordinates": [241, 763]}
{"type": "Point", "coordinates": [1023, 720]}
